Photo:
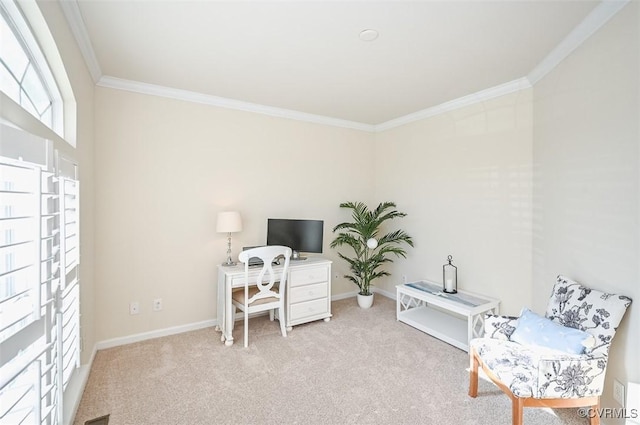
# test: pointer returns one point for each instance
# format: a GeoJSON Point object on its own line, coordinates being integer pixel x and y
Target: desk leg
{"type": "Point", "coordinates": [220, 310]}
{"type": "Point", "coordinates": [228, 312]}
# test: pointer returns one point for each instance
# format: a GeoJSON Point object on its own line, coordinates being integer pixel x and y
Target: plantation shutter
{"type": "Point", "coordinates": [69, 291]}
{"type": "Point", "coordinates": [39, 288]}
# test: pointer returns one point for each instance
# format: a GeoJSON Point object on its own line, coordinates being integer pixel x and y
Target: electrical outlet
{"type": "Point", "coordinates": [618, 392]}
{"type": "Point", "coordinates": [157, 304]}
{"type": "Point", "coordinates": [134, 307]}
{"type": "Point", "coordinates": [404, 279]}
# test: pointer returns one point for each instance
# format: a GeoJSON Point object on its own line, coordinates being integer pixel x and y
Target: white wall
{"type": "Point", "coordinates": [165, 168]}
{"type": "Point", "coordinates": [464, 179]}
{"type": "Point", "coordinates": [586, 181]}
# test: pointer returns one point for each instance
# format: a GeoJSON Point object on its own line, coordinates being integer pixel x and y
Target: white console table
{"type": "Point", "coordinates": [307, 294]}
{"type": "Point", "coordinates": [453, 318]}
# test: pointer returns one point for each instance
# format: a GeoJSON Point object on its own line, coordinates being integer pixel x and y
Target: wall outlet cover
{"type": "Point", "coordinates": [157, 304]}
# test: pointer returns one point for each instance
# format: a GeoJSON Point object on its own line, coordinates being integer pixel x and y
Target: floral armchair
{"type": "Point", "coordinates": [544, 376]}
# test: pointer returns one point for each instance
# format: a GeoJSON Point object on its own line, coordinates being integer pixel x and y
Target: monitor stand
{"type": "Point", "coordinates": [295, 256]}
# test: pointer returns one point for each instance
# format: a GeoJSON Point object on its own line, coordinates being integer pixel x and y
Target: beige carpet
{"type": "Point", "coordinates": [362, 367]}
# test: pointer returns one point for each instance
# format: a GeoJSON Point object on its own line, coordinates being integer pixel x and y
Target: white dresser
{"type": "Point", "coordinates": [307, 295]}
{"type": "Point", "coordinates": [308, 292]}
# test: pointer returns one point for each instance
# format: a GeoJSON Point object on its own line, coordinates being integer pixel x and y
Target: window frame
{"type": "Point", "coordinates": [15, 19]}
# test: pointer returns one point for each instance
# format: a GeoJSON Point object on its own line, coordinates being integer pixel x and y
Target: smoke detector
{"type": "Point", "coordinates": [368, 35]}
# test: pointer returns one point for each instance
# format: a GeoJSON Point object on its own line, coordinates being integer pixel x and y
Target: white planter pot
{"type": "Point", "coordinates": [365, 301]}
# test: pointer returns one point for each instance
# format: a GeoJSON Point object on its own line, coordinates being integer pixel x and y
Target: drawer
{"type": "Point", "coordinates": [308, 308]}
{"type": "Point", "coordinates": [310, 275]}
{"type": "Point", "coordinates": [308, 292]}
{"type": "Point", "coordinates": [238, 281]}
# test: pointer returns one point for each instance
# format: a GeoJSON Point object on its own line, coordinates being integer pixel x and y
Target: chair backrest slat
{"type": "Point", "coordinates": [267, 276]}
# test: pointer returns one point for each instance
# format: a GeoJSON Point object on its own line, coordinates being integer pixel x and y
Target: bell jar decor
{"type": "Point", "coordinates": [449, 277]}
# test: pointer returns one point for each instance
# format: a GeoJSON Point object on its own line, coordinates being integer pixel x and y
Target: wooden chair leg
{"type": "Point", "coordinates": [594, 417]}
{"type": "Point", "coordinates": [517, 405]}
{"type": "Point", "coordinates": [473, 373]}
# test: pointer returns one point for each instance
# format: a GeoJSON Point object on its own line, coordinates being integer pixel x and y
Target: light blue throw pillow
{"type": "Point", "coordinates": [533, 329]}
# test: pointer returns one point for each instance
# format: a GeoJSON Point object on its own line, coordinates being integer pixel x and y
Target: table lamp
{"type": "Point", "coordinates": [229, 222]}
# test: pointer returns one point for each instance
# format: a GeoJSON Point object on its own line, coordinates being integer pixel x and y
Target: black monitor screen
{"type": "Point", "coordinates": [299, 235]}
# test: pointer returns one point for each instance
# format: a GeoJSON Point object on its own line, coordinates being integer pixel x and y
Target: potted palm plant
{"type": "Point", "coordinates": [371, 250]}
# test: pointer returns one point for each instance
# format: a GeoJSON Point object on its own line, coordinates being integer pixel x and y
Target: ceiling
{"type": "Point", "coordinates": [306, 56]}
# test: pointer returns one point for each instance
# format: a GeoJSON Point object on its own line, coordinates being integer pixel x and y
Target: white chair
{"type": "Point", "coordinates": [264, 291]}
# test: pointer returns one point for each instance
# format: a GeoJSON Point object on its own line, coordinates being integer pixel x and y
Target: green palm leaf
{"type": "Point", "coordinates": [365, 262]}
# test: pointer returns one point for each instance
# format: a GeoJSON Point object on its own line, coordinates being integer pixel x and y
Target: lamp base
{"type": "Point", "coordinates": [228, 264]}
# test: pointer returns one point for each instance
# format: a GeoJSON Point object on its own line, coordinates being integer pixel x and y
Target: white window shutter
{"type": "Point", "coordinates": [39, 288]}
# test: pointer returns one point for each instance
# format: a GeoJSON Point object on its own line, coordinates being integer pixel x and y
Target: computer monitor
{"type": "Point", "coordinates": [299, 235]}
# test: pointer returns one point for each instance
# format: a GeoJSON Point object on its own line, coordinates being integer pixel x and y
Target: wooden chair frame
{"type": "Point", "coordinates": [519, 403]}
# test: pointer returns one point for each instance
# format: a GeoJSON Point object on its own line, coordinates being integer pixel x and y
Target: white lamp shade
{"type": "Point", "coordinates": [229, 222]}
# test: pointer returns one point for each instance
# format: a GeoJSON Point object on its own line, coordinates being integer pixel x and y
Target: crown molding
{"type": "Point", "coordinates": [585, 29]}
{"type": "Point", "coordinates": [222, 102]}
{"type": "Point", "coordinates": [481, 96]}
{"type": "Point", "coordinates": [72, 12]}
{"type": "Point", "coordinates": [189, 96]}
{"type": "Point", "coordinates": [596, 19]}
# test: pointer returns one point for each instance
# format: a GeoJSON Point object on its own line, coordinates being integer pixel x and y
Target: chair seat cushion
{"type": "Point", "coordinates": [539, 372]}
{"type": "Point", "coordinates": [238, 296]}
{"type": "Point", "coordinates": [515, 365]}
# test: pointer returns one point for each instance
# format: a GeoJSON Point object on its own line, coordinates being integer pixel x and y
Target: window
{"type": "Point", "coordinates": [39, 288]}
{"type": "Point", "coordinates": [24, 73]}
{"type": "Point", "coordinates": [39, 225]}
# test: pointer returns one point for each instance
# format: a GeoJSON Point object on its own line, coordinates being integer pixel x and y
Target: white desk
{"type": "Point", "coordinates": [307, 294]}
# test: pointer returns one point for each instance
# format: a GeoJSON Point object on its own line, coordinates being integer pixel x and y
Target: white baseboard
{"type": "Point", "coordinates": [344, 296]}
{"type": "Point", "coordinates": [115, 342]}
{"type": "Point", "coordinates": [75, 389]}
{"type": "Point", "coordinates": [130, 339]}
{"type": "Point", "coordinates": [353, 294]}
{"type": "Point", "coordinates": [387, 294]}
